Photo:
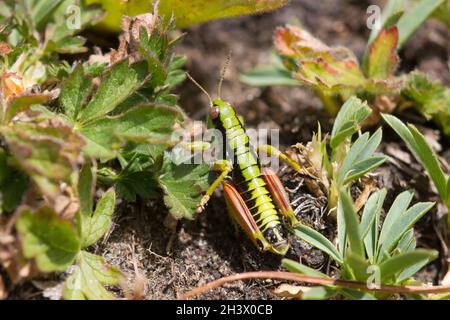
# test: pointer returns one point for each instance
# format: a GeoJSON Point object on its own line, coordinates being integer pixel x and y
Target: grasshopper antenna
{"type": "Point", "coordinates": [200, 87]}
{"type": "Point", "coordinates": [222, 74]}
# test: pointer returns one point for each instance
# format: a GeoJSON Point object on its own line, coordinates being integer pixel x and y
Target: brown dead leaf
{"type": "Point", "coordinates": [369, 186]}
{"type": "Point", "coordinates": [4, 48]}
{"type": "Point", "coordinates": [290, 291]}
{"type": "Point", "coordinates": [132, 26]}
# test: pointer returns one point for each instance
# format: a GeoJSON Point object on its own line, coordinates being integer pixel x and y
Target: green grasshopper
{"type": "Point", "coordinates": [254, 195]}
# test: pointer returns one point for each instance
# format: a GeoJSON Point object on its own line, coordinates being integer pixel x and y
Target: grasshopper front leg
{"type": "Point", "coordinates": [223, 166]}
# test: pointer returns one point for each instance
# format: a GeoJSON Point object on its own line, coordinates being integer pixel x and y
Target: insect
{"type": "Point", "coordinates": [254, 195]}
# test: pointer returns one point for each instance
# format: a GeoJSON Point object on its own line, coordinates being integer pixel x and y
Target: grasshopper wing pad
{"type": "Point", "coordinates": [240, 212]}
{"type": "Point", "coordinates": [276, 189]}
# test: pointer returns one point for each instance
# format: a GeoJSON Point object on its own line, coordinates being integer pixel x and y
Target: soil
{"type": "Point", "coordinates": [170, 258]}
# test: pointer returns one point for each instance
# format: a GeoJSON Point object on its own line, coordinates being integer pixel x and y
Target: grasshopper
{"type": "Point", "coordinates": [254, 195]}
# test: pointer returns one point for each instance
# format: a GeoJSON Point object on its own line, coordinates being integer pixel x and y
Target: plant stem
{"type": "Point", "coordinates": [313, 280]}
{"type": "Point", "coordinates": [328, 101]}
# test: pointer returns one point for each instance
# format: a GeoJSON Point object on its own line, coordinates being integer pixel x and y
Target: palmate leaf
{"type": "Point", "coordinates": [49, 152]}
{"type": "Point", "coordinates": [75, 92]}
{"type": "Point", "coordinates": [182, 186]}
{"type": "Point", "coordinates": [186, 12]}
{"type": "Point", "coordinates": [116, 86]}
{"type": "Point", "coordinates": [144, 124]}
{"type": "Point", "coordinates": [88, 278]}
{"type": "Point", "coordinates": [329, 70]}
{"type": "Point", "coordinates": [432, 99]}
{"type": "Point", "coordinates": [52, 241]}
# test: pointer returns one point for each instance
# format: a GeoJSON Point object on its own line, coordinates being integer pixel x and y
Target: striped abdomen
{"type": "Point", "coordinates": [246, 174]}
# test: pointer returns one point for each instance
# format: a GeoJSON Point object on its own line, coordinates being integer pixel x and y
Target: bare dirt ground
{"type": "Point", "coordinates": [170, 262]}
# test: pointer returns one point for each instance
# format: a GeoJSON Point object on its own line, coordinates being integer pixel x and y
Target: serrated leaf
{"type": "Point", "coordinates": [329, 70]}
{"type": "Point", "coordinates": [122, 80]}
{"type": "Point", "coordinates": [186, 13]}
{"type": "Point", "coordinates": [182, 186]}
{"type": "Point", "coordinates": [97, 224]}
{"type": "Point", "coordinates": [49, 239]}
{"type": "Point", "coordinates": [88, 278]}
{"type": "Point", "coordinates": [392, 11]}
{"type": "Point", "coordinates": [74, 92]}
{"type": "Point", "coordinates": [317, 240]}
{"type": "Point", "coordinates": [432, 99]}
{"type": "Point", "coordinates": [49, 152]}
{"type": "Point", "coordinates": [22, 103]}
{"type": "Point", "coordinates": [144, 124]}
{"type": "Point", "coordinates": [382, 57]}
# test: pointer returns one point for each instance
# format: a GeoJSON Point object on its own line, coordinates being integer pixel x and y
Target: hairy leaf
{"type": "Point", "coordinates": [382, 59]}
{"type": "Point", "coordinates": [51, 240]}
{"type": "Point", "coordinates": [183, 186]}
{"type": "Point", "coordinates": [88, 278]}
{"type": "Point", "coordinates": [74, 92]}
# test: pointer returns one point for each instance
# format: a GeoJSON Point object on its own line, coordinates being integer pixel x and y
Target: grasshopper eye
{"type": "Point", "coordinates": [214, 112]}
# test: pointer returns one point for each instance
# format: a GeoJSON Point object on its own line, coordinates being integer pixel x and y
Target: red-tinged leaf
{"type": "Point", "coordinates": [295, 42]}
{"type": "Point", "coordinates": [22, 103]}
{"type": "Point", "coordinates": [382, 59]}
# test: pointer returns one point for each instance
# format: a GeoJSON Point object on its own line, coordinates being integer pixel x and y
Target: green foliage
{"type": "Point", "coordinates": [430, 98]}
{"type": "Point", "coordinates": [335, 74]}
{"type": "Point", "coordinates": [423, 152]}
{"type": "Point", "coordinates": [348, 160]}
{"type": "Point", "coordinates": [186, 13]}
{"type": "Point", "coordinates": [51, 240]}
{"type": "Point", "coordinates": [365, 251]}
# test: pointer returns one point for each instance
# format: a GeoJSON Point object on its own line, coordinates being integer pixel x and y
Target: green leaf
{"type": "Point", "coordinates": [362, 167]}
{"type": "Point", "coordinates": [392, 11]}
{"type": "Point", "coordinates": [86, 189]}
{"type": "Point", "coordinates": [317, 240]}
{"type": "Point", "coordinates": [269, 76]}
{"type": "Point", "coordinates": [422, 151]}
{"type": "Point", "coordinates": [352, 224]}
{"type": "Point", "coordinates": [13, 184]}
{"type": "Point", "coordinates": [185, 13]}
{"type": "Point", "coordinates": [432, 99]}
{"type": "Point", "coordinates": [121, 82]}
{"type": "Point", "coordinates": [88, 278]}
{"type": "Point", "coordinates": [75, 92]}
{"type": "Point", "coordinates": [405, 264]}
{"type": "Point", "coordinates": [319, 293]}
{"type": "Point", "coordinates": [297, 267]}
{"type": "Point", "coordinates": [49, 152]}
{"type": "Point", "coordinates": [22, 103]}
{"type": "Point", "coordinates": [96, 225]}
{"type": "Point", "coordinates": [357, 266]}
{"type": "Point", "coordinates": [400, 205]}
{"type": "Point", "coordinates": [372, 210]}
{"type": "Point", "coordinates": [42, 10]}
{"type": "Point", "coordinates": [406, 243]}
{"type": "Point", "coordinates": [144, 124]}
{"type": "Point", "coordinates": [382, 57]}
{"type": "Point", "coordinates": [414, 18]}
{"type": "Point", "coordinates": [349, 119]}
{"type": "Point", "coordinates": [182, 186]}
{"type": "Point", "coordinates": [49, 239]}
{"type": "Point", "coordinates": [401, 225]}
{"type": "Point", "coordinates": [359, 159]}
